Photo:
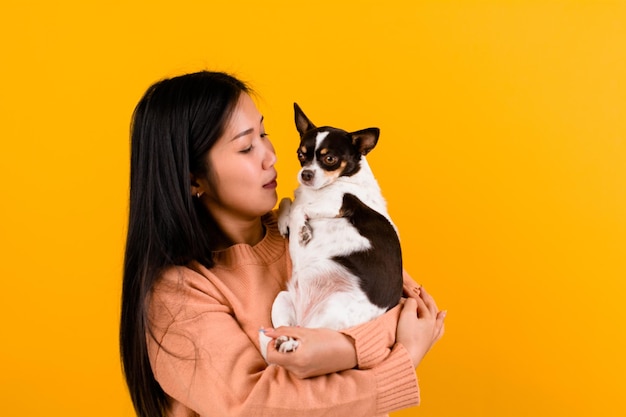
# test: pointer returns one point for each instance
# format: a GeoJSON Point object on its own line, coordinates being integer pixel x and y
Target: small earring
{"type": "Point", "coordinates": [198, 195]}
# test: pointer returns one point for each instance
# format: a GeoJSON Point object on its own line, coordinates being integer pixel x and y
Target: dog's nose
{"type": "Point", "coordinates": [307, 175]}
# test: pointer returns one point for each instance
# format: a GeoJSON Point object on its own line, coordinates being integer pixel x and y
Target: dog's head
{"type": "Point", "coordinates": [327, 153]}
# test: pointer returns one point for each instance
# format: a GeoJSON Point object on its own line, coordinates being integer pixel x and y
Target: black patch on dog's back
{"type": "Point", "coordinates": [380, 267]}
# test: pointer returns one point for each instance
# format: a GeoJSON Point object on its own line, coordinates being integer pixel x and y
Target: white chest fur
{"type": "Point", "coordinates": [322, 293]}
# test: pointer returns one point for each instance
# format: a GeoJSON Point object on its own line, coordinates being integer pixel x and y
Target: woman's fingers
{"type": "Point", "coordinates": [423, 310]}
{"type": "Point", "coordinates": [294, 332]}
{"type": "Point", "coordinates": [441, 316]}
{"type": "Point", "coordinates": [410, 308]}
{"type": "Point", "coordinates": [429, 301]}
{"type": "Point", "coordinates": [431, 306]}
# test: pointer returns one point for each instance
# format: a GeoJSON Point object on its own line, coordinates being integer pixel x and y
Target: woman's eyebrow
{"type": "Point", "coordinates": [245, 132]}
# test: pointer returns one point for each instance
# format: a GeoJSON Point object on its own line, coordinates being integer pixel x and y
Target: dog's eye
{"type": "Point", "coordinates": [301, 156]}
{"type": "Point", "coordinates": [330, 160]}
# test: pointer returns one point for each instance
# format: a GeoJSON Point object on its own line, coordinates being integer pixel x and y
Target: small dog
{"type": "Point", "coordinates": [345, 250]}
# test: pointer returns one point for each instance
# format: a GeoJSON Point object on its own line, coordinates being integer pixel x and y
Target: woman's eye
{"type": "Point", "coordinates": [246, 150]}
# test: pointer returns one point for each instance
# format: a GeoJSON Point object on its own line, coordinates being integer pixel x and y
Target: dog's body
{"type": "Point", "coordinates": [345, 251]}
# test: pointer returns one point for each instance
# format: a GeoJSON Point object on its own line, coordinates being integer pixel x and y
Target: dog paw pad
{"type": "Point", "coordinates": [286, 344]}
{"type": "Point", "coordinates": [306, 234]}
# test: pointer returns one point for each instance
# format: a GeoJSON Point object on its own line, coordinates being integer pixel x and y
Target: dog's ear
{"type": "Point", "coordinates": [365, 140]}
{"type": "Point", "coordinates": [303, 124]}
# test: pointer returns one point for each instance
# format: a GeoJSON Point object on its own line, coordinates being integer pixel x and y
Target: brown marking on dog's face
{"type": "Point", "coordinates": [332, 175]}
{"type": "Point", "coordinates": [302, 155]}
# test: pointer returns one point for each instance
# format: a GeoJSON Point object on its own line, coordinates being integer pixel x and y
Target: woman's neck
{"type": "Point", "coordinates": [236, 231]}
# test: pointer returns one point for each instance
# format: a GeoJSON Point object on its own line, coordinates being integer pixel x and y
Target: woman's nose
{"type": "Point", "coordinates": [270, 156]}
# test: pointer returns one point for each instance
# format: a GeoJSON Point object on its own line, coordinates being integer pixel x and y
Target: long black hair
{"type": "Point", "coordinates": [174, 125]}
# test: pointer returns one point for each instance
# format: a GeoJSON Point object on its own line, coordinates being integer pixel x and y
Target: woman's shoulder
{"type": "Point", "coordinates": [175, 278]}
{"type": "Point", "coordinates": [193, 283]}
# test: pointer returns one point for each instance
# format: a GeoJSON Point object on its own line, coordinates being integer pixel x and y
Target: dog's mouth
{"type": "Point", "coordinates": [315, 179]}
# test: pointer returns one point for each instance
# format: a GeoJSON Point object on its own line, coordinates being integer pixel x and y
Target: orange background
{"type": "Point", "coordinates": [502, 157]}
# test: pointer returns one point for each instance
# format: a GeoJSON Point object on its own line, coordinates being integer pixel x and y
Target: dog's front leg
{"type": "Point", "coordinates": [283, 314]}
{"type": "Point", "coordinates": [303, 214]}
{"type": "Point", "coordinates": [284, 216]}
{"type": "Point", "coordinates": [299, 223]}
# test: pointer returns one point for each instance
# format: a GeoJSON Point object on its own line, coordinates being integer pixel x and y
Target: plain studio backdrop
{"type": "Point", "coordinates": [502, 156]}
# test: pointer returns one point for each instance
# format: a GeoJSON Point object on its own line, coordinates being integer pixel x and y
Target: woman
{"type": "Point", "coordinates": [204, 261]}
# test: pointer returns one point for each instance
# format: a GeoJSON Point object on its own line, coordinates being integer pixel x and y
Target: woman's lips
{"type": "Point", "coordinates": [272, 184]}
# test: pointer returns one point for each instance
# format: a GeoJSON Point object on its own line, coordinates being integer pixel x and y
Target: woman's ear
{"type": "Point", "coordinates": [195, 186]}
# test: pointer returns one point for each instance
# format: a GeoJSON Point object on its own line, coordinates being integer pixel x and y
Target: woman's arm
{"type": "Point", "coordinates": [324, 351]}
{"type": "Point", "coordinates": [202, 358]}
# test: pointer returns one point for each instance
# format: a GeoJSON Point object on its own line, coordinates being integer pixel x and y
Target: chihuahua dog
{"type": "Point", "coordinates": [345, 250]}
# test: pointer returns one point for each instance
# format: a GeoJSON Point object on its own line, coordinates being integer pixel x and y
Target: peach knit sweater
{"type": "Point", "coordinates": [204, 349]}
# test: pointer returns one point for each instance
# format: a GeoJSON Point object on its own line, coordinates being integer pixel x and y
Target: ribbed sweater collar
{"type": "Point", "coordinates": [268, 250]}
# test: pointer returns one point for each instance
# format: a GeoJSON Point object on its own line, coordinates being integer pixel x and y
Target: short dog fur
{"type": "Point", "coordinates": [345, 250]}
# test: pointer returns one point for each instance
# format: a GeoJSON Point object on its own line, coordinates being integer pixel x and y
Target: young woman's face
{"type": "Point", "coordinates": [242, 178]}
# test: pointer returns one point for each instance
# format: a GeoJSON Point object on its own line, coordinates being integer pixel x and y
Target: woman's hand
{"type": "Point", "coordinates": [420, 325]}
{"type": "Point", "coordinates": [321, 351]}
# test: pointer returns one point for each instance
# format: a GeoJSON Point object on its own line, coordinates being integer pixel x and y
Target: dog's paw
{"type": "Point", "coordinates": [284, 209]}
{"type": "Point", "coordinates": [306, 234]}
{"type": "Point", "coordinates": [286, 344]}
{"type": "Point", "coordinates": [283, 229]}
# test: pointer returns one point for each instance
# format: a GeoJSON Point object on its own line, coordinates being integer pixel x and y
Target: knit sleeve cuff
{"type": "Point", "coordinates": [397, 382]}
{"type": "Point", "coordinates": [373, 340]}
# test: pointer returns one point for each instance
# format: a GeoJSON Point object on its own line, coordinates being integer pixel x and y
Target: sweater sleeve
{"type": "Point", "coordinates": [203, 359]}
{"type": "Point", "coordinates": [373, 340]}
